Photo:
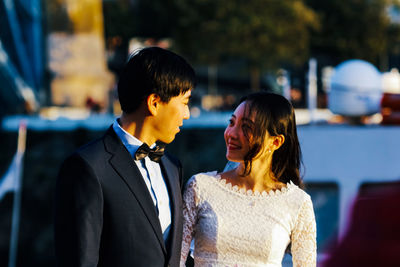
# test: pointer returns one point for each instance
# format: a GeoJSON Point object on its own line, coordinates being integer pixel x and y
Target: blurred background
{"type": "Point", "coordinates": [336, 60]}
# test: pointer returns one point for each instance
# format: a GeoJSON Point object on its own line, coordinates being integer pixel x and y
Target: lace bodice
{"type": "Point", "coordinates": [233, 227]}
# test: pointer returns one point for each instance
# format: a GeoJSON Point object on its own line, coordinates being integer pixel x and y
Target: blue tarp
{"type": "Point", "coordinates": [21, 56]}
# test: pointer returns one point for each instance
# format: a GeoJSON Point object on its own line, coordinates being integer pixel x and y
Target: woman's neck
{"type": "Point", "coordinates": [259, 179]}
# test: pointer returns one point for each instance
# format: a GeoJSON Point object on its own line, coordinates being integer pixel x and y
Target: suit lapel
{"type": "Point", "coordinates": [124, 165]}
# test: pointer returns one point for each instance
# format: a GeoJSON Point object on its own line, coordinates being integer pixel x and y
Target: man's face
{"type": "Point", "coordinates": [171, 116]}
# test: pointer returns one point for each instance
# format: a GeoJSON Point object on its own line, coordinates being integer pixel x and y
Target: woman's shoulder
{"type": "Point", "coordinates": [204, 176]}
{"type": "Point", "coordinates": [298, 194]}
{"type": "Point", "coordinates": [201, 178]}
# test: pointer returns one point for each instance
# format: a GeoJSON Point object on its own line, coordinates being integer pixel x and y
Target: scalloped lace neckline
{"type": "Point", "coordinates": [249, 192]}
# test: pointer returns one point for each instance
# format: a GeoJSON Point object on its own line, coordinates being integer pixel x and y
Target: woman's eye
{"type": "Point", "coordinates": [230, 122]}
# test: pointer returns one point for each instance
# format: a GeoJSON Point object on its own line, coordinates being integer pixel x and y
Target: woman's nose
{"type": "Point", "coordinates": [232, 132]}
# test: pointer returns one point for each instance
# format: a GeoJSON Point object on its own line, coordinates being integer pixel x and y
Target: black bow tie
{"type": "Point", "coordinates": [154, 154]}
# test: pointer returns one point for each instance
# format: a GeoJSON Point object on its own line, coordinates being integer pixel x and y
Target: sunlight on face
{"type": "Point", "coordinates": [171, 116]}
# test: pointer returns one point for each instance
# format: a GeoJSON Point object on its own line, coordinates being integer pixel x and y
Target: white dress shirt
{"type": "Point", "coordinates": [152, 176]}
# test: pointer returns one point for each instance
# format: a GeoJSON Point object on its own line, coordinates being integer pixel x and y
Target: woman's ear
{"type": "Point", "coordinates": [278, 141]}
{"type": "Point", "coordinates": [153, 103]}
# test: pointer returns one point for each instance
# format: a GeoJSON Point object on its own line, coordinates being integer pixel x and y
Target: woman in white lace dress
{"type": "Point", "coordinates": [248, 216]}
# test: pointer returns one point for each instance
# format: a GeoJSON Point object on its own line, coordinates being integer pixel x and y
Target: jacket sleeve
{"type": "Point", "coordinates": [78, 214]}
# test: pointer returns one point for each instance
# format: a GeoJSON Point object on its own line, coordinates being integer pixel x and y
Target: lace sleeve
{"type": "Point", "coordinates": [304, 245]}
{"type": "Point", "coordinates": [190, 201]}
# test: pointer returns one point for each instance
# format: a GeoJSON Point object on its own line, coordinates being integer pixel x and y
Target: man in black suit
{"type": "Point", "coordinates": [118, 199]}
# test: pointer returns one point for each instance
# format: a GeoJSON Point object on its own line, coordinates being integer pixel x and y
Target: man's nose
{"type": "Point", "coordinates": [186, 114]}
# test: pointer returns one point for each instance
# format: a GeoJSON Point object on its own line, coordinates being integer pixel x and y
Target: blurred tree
{"type": "Point", "coordinates": [126, 19]}
{"type": "Point", "coordinates": [155, 18]}
{"type": "Point", "coordinates": [57, 16]}
{"type": "Point", "coordinates": [352, 29]}
{"type": "Point", "coordinates": [119, 20]}
{"type": "Point", "coordinates": [119, 25]}
{"type": "Point", "coordinates": [394, 46]}
{"type": "Point", "coordinates": [266, 33]}
{"type": "Point", "coordinates": [393, 33]}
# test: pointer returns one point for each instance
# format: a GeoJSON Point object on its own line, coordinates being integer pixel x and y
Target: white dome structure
{"type": "Point", "coordinates": [356, 89]}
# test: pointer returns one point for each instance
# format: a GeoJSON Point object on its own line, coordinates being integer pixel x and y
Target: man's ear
{"type": "Point", "coordinates": [153, 103]}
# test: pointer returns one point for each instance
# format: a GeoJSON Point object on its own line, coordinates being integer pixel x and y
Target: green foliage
{"type": "Point", "coordinates": [351, 29]}
{"type": "Point", "coordinates": [263, 32]}
{"type": "Point", "coordinates": [146, 19]}
{"type": "Point", "coordinates": [56, 17]}
{"type": "Point", "coordinates": [119, 20]}
{"type": "Point", "coordinates": [156, 18]}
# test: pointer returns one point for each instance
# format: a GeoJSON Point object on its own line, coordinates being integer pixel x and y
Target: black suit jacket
{"type": "Point", "coordinates": [104, 213]}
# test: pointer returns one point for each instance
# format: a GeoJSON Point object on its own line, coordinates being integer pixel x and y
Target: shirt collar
{"type": "Point", "coordinates": [130, 142]}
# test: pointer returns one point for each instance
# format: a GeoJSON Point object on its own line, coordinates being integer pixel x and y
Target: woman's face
{"type": "Point", "coordinates": [237, 144]}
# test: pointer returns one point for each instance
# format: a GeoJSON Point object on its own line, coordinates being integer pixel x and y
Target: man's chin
{"type": "Point", "coordinates": [167, 141]}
